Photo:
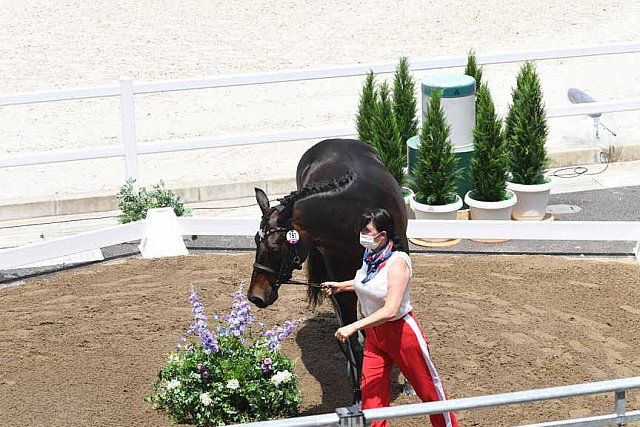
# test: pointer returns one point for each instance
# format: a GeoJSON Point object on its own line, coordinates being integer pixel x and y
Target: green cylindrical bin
{"type": "Point", "coordinates": [464, 153]}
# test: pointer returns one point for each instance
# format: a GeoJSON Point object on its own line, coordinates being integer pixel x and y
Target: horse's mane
{"type": "Point", "coordinates": [320, 189]}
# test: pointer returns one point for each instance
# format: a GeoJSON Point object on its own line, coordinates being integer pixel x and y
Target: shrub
{"type": "Point", "coordinates": [367, 108]}
{"type": "Point", "coordinates": [472, 69]}
{"type": "Point", "coordinates": [134, 205]}
{"type": "Point", "coordinates": [227, 373]}
{"type": "Point", "coordinates": [386, 118]}
{"type": "Point", "coordinates": [436, 171]}
{"type": "Point", "coordinates": [386, 137]}
{"type": "Point", "coordinates": [489, 164]}
{"type": "Point", "coordinates": [404, 102]}
{"type": "Point", "coordinates": [526, 129]}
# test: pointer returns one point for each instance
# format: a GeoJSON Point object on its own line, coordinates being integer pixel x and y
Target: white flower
{"type": "Point", "coordinates": [281, 377]}
{"type": "Point", "coordinates": [173, 384]}
{"type": "Point", "coordinates": [233, 384]}
{"type": "Point", "coordinates": [173, 357]}
{"type": "Point", "coordinates": [205, 399]}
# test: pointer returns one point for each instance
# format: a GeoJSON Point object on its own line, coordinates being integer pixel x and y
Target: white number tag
{"type": "Point", "coordinates": [293, 237]}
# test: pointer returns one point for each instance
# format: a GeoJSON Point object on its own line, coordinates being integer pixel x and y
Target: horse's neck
{"type": "Point", "coordinates": [322, 220]}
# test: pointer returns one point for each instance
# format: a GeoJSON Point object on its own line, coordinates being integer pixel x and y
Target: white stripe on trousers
{"type": "Point", "coordinates": [432, 369]}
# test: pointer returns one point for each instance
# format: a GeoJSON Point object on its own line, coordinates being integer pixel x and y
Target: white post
{"type": "Point", "coordinates": [129, 130]}
{"type": "Point", "coordinates": [163, 236]}
{"type": "Point", "coordinates": [636, 251]}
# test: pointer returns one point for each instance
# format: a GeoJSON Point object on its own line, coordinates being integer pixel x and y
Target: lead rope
{"type": "Point", "coordinates": [349, 353]}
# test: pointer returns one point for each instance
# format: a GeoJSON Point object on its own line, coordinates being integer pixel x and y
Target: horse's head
{"type": "Point", "coordinates": [279, 250]}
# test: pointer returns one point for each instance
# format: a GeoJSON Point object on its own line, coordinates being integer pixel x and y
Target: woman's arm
{"type": "Point", "coordinates": [398, 278]}
{"type": "Point", "coordinates": [336, 287]}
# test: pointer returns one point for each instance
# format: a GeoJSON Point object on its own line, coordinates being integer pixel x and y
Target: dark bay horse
{"type": "Point", "coordinates": [337, 181]}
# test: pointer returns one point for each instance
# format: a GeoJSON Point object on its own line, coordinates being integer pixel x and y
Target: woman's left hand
{"type": "Point", "coordinates": [345, 332]}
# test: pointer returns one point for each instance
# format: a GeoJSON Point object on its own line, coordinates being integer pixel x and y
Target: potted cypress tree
{"type": "Point", "coordinates": [436, 171]}
{"type": "Point", "coordinates": [405, 113]}
{"type": "Point", "coordinates": [366, 108]}
{"type": "Point", "coordinates": [385, 137]}
{"type": "Point", "coordinates": [489, 165]}
{"type": "Point", "coordinates": [526, 134]}
{"type": "Point", "coordinates": [387, 118]}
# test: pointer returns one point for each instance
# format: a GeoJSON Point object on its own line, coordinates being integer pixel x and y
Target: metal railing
{"type": "Point", "coordinates": [351, 417]}
{"type": "Point", "coordinates": [127, 89]}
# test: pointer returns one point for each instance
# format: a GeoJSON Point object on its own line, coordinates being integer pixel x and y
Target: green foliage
{"type": "Point", "coordinates": [367, 109]}
{"type": "Point", "coordinates": [134, 206]}
{"type": "Point", "coordinates": [404, 101]}
{"type": "Point", "coordinates": [436, 171]}
{"type": "Point", "coordinates": [386, 118]}
{"type": "Point", "coordinates": [472, 69]}
{"type": "Point", "coordinates": [227, 374]}
{"type": "Point", "coordinates": [386, 138]}
{"type": "Point", "coordinates": [526, 129]}
{"type": "Point", "coordinates": [489, 165]}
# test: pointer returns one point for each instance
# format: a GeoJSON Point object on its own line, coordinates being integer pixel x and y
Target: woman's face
{"type": "Point", "coordinates": [379, 237]}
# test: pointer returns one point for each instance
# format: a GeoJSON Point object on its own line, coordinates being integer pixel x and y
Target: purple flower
{"type": "Point", "coordinates": [275, 336]}
{"type": "Point", "coordinates": [209, 339]}
{"type": "Point", "coordinates": [266, 365]}
{"type": "Point", "coordinates": [204, 372]}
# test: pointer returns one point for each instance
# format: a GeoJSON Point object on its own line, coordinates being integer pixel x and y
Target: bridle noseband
{"type": "Point", "coordinates": [290, 261]}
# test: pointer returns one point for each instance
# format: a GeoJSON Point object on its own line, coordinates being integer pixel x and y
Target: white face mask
{"type": "Point", "coordinates": [368, 242]}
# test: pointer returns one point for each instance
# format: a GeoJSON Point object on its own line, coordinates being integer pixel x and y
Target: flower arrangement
{"type": "Point", "coordinates": [227, 373]}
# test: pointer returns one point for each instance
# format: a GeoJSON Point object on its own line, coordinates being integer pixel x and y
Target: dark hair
{"type": "Point", "coordinates": [382, 220]}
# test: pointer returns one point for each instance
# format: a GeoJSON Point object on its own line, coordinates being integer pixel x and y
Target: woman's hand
{"type": "Point", "coordinates": [345, 332]}
{"type": "Point", "coordinates": [330, 288]}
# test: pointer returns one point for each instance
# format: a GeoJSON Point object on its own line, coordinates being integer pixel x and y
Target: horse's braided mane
{"type": "Point", "coordinates": [318, 189]}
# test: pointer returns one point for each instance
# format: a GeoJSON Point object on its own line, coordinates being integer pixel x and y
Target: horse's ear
{"type": "Point", "coordinates": [263, 200]}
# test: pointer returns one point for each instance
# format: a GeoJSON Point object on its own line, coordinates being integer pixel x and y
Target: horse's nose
{"type": "Point", "coordinates": [259, 302]}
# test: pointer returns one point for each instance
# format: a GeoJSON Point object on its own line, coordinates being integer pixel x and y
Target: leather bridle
{"type": "Point", "coordinates": [290, 261]}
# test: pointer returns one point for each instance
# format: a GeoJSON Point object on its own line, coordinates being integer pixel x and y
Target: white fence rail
{"type": "Point", "coordinates": [619, 416]}
{"type": "Point", "coordinates": [127, 89]}
{"type": "Point", "coordinates": [517, 230]}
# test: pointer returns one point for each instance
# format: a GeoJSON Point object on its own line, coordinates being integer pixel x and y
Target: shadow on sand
{"type": "Point", "coordinates": [325, 361]}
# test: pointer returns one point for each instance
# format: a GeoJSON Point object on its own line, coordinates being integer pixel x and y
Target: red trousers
{"type": "Point", "coordinates": [400, 342]}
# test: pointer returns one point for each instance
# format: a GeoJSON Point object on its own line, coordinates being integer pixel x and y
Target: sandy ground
{"type": "Point", "coordinates": [68, 43]}
{"type": "Point", "coordinates": [82, 347]}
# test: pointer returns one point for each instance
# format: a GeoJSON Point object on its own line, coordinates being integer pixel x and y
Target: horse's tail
{"type": "Point", "coordinates": [317, 273]}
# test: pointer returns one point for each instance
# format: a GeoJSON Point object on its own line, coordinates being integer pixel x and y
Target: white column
{"type": "Point", "coordinates": [129, 130]}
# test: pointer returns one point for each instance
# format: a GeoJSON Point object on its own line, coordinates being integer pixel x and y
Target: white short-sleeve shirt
{"type": "Point", "coordinates": [372, 294]}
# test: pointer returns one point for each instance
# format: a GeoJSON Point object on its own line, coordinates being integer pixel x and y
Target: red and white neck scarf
{"type": "Point", "coordinates": [376, 260]}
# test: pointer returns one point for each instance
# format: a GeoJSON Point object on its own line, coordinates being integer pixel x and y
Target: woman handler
{"type": "Point", "coordinates": [393, 334]}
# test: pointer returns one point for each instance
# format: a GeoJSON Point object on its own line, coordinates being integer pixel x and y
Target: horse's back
{"type": "Point", "coordinates": [332, 158]}
{"type": "Point", "coordinates": [372, 185]}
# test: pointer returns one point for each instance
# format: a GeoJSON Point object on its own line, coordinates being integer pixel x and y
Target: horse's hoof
{"type": "Point", "coordinates": [408, 390]}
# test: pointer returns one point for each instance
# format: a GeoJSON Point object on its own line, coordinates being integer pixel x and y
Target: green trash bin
{"type": "Point", "coordinates": [463, 153]}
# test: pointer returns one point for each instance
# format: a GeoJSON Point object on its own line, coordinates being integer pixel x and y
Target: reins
{"type": "Point", "coordinates": [349, 353]}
